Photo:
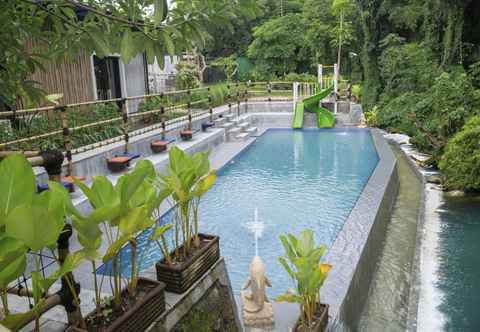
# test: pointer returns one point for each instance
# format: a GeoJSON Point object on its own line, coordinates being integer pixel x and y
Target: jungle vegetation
{"type": "Point", "coordinates": [417, 62]}
{"type": "Point", "coordinates": [414, 63]}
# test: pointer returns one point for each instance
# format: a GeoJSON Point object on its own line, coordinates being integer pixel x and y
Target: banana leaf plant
{"type": "Point", "coordinates": [120, 213]}
{"type": "Point", "coordinates": [188, 178]}
{"type": "Point", "coordinates": [302, 263]}
{"type": "Point", "coordinates": [30, 223]}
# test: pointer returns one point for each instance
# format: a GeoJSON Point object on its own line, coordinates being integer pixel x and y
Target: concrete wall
{"type": "Point", "coordinates": [357, 247]}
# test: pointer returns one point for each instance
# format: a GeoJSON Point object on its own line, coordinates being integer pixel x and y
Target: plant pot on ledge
{"type": "Point", "coordinates": [159, 146]}
{"type": "Point", "coordinates": [140, 312]}
{"type": "Point", "coordinates": [179, 277]}
{"type": "Point", "coordinates": [320, 323]}
{"type": "Point", "coordinates": [186, 135]}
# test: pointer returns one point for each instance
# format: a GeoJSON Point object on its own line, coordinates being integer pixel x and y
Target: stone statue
{"type": "Point", "coordinates": [257, 310]}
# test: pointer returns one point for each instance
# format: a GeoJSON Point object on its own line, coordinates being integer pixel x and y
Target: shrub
{"type": "Point", "coordinates": [295, 77]}
{"type": "Point", "coordinates": [461, 160]}
{"type": "Point", "coordinates": [186, 77]}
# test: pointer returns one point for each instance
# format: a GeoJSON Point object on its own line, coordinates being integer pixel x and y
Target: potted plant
{"type": "Point", "coordinates": [188, 178]}
{"type": "Point", "coordinates": [121, 212]}
{"type": "Point", "coordinates": [31, 223]}
{"type": "Point", "coordinates": [302, 263]}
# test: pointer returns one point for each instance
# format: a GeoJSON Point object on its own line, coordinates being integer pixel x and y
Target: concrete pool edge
{"type": "Point", "coordinates": [414, 292]}
{"type": "Point", "coordinates": [359, 241]}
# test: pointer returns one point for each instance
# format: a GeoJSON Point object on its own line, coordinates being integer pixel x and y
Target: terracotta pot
{"type": "Point", "coordinates": [159, 146]}
{"type": "Point", "coordinates": [320, 325]}
{"type": "Point", "coordinates": [180, 277]}
{"type": "Point", "coordinates": [144, 312]}
{"type": "Point", "coordinates": [186, 135]}
{"type": "Point", "coordinates": [118, 164]}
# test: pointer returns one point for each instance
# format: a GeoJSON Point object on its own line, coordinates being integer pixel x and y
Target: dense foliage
{"type": "Point", "coordinates": [461, 161]}
{"type": "Point", "coordinates": [421, 71]}
{"type": "Point", "coordinates": [38, 32]}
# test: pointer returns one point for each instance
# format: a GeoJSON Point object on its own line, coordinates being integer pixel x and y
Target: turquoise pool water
{"type": "Point", "coordinates": [295, 180]}
{"type": "Point", "coordinates": [459, 265]}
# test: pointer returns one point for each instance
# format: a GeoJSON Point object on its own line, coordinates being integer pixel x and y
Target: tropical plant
{"type": "Point", "coordinates": [186, 76]}
{"type": "Point", "coordinates": [229, 65]}
{"type": "Point", "coordinates": [120, 212]}
{"type": "Point", "coordinates": [31, 223]}
{"type": "Point", "coordinates": [188, 178]}
{"type": "Point", "coordinates": [302, 263]}
{"type": "Point", "coordinates": [461, 161]}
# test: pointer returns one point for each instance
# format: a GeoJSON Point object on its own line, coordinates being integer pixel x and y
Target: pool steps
{"type": "Point", "coordinates": [236, 128]}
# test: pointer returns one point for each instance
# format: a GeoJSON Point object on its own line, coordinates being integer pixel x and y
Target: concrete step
{"type": "Point", "coordinates": [220, 121]}
{"type": "Point", "coordinates": [230, 117]}
{"type": "Point", "coordinates": [228, 125]}
{"type": "Point", "coordinates": [234, 131]}
{"type": "Point", "coordinates": [244, 125]}
{"type": "Point", "coordinates": [242, 136]}
{"type": "Point", "coordinates": [251, 130]}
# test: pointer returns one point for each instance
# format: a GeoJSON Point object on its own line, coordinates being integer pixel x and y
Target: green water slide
{"type": "Point", "coordinates": [325, 119]}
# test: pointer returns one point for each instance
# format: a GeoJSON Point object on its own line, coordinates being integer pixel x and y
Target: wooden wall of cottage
{"type": "Point", "coordinates": [72, 78]}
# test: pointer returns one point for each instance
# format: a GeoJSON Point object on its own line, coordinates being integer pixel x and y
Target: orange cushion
{"type": "Point", "coordinates": [159, 143]}
{"type": "Point", "coordinates": [187, 132]}
{"type": "Point", "coordinates": [119, 159]}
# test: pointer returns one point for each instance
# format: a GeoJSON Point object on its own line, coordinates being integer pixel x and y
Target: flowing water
{"type": "Point", "coordinates": [386, 308]}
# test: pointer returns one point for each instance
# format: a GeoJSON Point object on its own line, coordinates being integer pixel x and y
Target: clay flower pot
{"type": "Point", "coordinates": [159, 146]}
{"type": "Point", "coordinates": [118, 164]}
{"type": "Point", "coordinates": [186, 135]}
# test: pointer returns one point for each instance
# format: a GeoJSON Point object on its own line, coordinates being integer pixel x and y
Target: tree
{"type": "Point", "coordinates": [278, 45]}
{"type": "Point", "coordinates": [63, 28]}
{"type": "Point", "coordinates": [343, 32]}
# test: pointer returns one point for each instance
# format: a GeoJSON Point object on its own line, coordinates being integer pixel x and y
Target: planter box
{"type": "Point", "coordinates": [118, 164]}
{"type": "Point", "coordinates": [320, 325]}
{"type": "Point", "coordinates": [143, 313]}
{"type": "Point", "coordinates": [186, 135]}
{"type": "Point", "coordinates": [180, 277]}
{"type": "Point", "coordinates": [159, 146]}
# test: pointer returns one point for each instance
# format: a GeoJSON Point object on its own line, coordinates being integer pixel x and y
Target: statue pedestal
{"type": "Point", "coordinates": [254, 318]}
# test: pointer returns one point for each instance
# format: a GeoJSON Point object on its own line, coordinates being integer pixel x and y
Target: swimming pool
{"type": "Point", "coordinates": [295, 179]}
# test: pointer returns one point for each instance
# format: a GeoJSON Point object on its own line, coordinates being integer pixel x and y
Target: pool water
{"type": "Point", "coordinates": [295, 179]}
{"type": "Point", "coordinates": [459, 263]}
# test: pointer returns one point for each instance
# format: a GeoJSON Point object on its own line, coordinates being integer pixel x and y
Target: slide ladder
{"type": "Point", "coordinates": [325, 119]}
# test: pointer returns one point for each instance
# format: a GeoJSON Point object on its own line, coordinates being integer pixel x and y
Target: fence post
{"type": "Point", "coordinates": [189, 107]}
{"type": "Point", "coordinates": [238, 99]}
{"type": "Point", "coordinates": [247, 84]}
{"type": "Point", "coordinates": [162, 115]}
{"type": "Point", "coordinates": [320, 76]}
{"type": "Point", "coordinates": [228, 98]}
{"type": "Point", "coordinates": [269, 91]}
{"type": "Point", "coordinates": [210, 104]}
{"type": "Point", "coordinates": [295, 94]}
{"type": "Point", "coordinates": [67, 143]}
{"type": "Point", "coordinates": [124, 110]}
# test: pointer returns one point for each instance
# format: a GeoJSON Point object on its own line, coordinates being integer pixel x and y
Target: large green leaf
{"type": "Point", "coordinates": [127, 47]}
{"type": "Point", "coordinates": [34, 226]}
{"type": "Point", "coordinates": [64, 196]}
{"type": "Point", "coordinates": [12, 260]}
{"type": "Point", "coordinates": [135, 220]}
{"type": "Point", "coordinates": [160, 10]}
{"type": "Point", "coordinates": [204, 185]}
{"type": "Point", "coordinates": [89, 235]}
{"type": "Point", "coordinates": [160, 231]}
{"type": "Point", "coordinates": [17, 183]}
{"type": "Point", "coordinates": [114, 249]}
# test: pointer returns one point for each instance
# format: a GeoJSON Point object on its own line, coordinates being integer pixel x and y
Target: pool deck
{"type": "Point", "coordinates": [351, 254]}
